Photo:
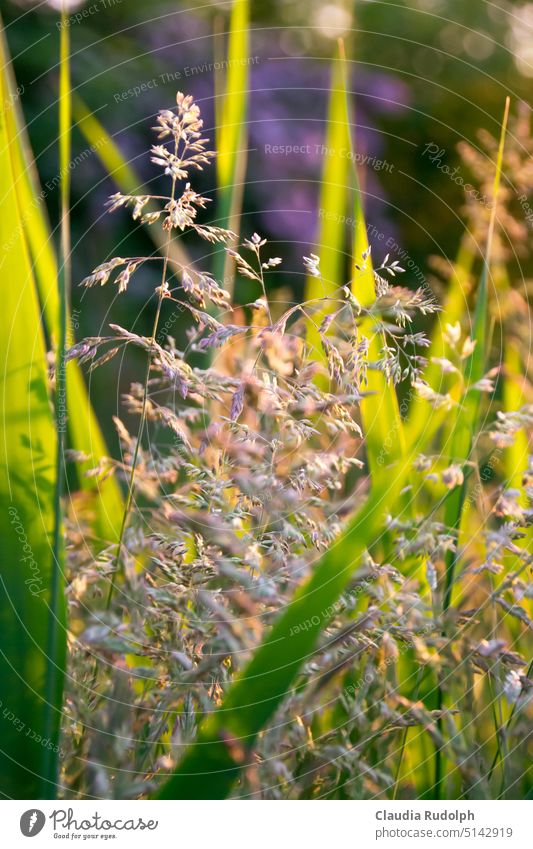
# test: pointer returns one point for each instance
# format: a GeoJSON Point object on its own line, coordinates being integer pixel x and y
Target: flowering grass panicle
{"type": "Point", "coordinates": [245, 468]}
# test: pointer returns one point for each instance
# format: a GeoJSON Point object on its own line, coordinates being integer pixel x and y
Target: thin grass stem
{"type": "Point", "coordinates": [135, 458]}
{"type": "Point", "coordinates": [54, 675]}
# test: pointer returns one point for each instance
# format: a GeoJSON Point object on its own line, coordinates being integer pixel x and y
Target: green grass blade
{"type": "Point", "coordinates": [226, 739]}
{"type": "Point", "coordinates": [335, 191]}
{"type": "Point", "coordinates": [421, 418]}
{"type": "Point", "coordinates": [465, 423]}
{"type": "Point", "coordinates": [466, 420]}
{"type": "Point", "coordinates": [231, 134]}
{"type": "Point", "coordinates": [380, 411]}
{"type": "Point", "coordinates": [234, 106]}
{"type": "Point", "coordinates": [84, 431]}
{"type": "Point", "coordinates": [514, 397]}
{"type": "Point", "coordinates": [27, 482]}
{"type": "Point", "coordinates": [54, 678]}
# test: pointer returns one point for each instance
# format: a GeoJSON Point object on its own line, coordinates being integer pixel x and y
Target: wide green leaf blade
{"type": "Point", "coordinates": [84, 430]}
{"type": "Point", "coordinates": [27, 482]}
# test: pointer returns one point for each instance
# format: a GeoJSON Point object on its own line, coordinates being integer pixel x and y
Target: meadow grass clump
{"type": "Point", "coordinates": [392, 677]}
{"type": "Point", "coordinates": [308, 573]}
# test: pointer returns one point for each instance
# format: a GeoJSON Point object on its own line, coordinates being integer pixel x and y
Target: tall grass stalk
{"type": "Point", "coordinates": [161, 293]}
{"type": "Point", "coordinates": [53, 684]}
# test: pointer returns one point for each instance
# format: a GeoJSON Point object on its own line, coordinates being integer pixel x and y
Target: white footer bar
{"type": "Point", "coordinates": [268, 825]}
